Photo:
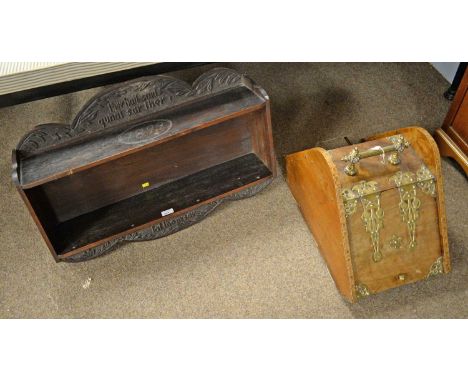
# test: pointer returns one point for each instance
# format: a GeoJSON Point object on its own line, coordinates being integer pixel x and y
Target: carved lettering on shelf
{"type": "Point", "coordinates": [128, 101]}
{"type": "Point", "coordinates": [141, 97]}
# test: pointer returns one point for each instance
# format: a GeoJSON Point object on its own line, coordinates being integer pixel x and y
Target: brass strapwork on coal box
{"type": "Point", "coordinates": [409, 202]}
{"type": "Point", "coordinates": [372, 215]}
{"type": "Point", "coordinates": [399, 144]}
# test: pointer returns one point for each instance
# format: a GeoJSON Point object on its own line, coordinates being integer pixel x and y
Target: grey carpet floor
{"type": "Point", "coordinates": [253, 258]}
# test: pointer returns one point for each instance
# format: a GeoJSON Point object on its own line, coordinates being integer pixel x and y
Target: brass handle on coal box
{"type": "Point", "coordinates": [399, 143]}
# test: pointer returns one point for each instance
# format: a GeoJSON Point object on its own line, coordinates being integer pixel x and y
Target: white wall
{"type": "Point", "coordinates": [447, 69]}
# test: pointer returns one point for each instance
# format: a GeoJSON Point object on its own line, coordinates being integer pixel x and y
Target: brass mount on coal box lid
{"type": "Point", "coordinates": [399, 144]}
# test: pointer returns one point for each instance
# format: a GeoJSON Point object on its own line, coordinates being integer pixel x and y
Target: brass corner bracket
{"type": "Point", "coordinates": [436, 267]}
{"type": "Point", "coordinates": [361, 291]}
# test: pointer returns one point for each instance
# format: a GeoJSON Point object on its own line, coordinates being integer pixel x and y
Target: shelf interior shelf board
{"type": "Point", "coordinates": [148, 206]}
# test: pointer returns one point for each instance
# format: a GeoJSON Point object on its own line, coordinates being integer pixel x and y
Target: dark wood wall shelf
{"type": "Point", "coordinates": [145, 159]}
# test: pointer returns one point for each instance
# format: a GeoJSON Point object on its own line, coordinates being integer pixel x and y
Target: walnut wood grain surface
{"type": "Point", "coordinates": [423, 143]}
{"type": "Point", "coordinates": [313, 181]}
{"type": "Point", "coordinates": [316, 178]}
